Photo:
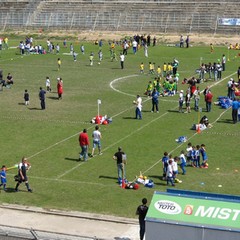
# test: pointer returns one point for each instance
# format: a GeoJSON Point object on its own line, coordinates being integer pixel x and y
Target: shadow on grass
{"type": "Point", "coordinates": [174, 111]}
{"type": "Point", "coordinates": [108, 177]}
{"type": "Point", "coordinates": [53, 98]}
{"type": "Point", "coordinates": [10, 190]}
{"type": "Point", "coordinates": [225, 121]}
{"type": "Point", "coordinates": [20, 103]}
{"type": "Point", "coordinates": [34, 108]}
{"type": "Point", "coordinates": [129, 118]}
{"type": "Point", "coordinates": [72, 159]}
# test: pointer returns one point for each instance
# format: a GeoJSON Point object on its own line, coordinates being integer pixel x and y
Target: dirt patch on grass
{"type": "Point", "coordinates": [195, 39]}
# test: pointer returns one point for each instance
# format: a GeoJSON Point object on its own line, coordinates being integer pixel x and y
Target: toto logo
{"type": "Point", "coordinates": [167, 207]}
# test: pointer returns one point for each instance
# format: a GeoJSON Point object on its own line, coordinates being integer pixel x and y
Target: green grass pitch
{"type": "Point", "coordinates": [50, 138]}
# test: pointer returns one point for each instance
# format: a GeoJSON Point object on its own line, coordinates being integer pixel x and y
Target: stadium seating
{"type": "Point", "coordinates": [121, 15]}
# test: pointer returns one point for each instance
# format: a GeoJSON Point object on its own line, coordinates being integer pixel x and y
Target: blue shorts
{"type": "Point", "coordinates": [96, 143]}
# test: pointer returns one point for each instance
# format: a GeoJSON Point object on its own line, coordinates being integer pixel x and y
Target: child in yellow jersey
{"type": "Point", "coordinates": [211, 48]}
{"type": "Point", "coordinates": [159, 71]}
{"type": "Point", "coordinates": [169, 68]}
{"type": "Point", "coordinates": [150, 68]}
{"type": "Point", "coordinates": [59, 63]}
{"type": "Point", "coordinates": [164, 70]}
{"type": "Point", "coordinates": [149, 88]}
{"type": "Point", "coordinates": [141, 67]}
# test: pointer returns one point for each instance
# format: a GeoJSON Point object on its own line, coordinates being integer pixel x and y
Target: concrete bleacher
{"type": "Point", "coordinates": [120, 15]}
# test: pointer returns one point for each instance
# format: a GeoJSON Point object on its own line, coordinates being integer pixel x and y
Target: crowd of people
{"type": "Point", "coordinates": [194, 156]}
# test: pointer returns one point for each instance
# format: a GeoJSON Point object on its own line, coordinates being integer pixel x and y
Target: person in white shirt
{"type": "Point", "coordinates": [48, 84]}
{"type": "Point", "coordinates": [180, 101]}
{"type": "Point", "coordinates": [170, 173]}
{"type": "Point", "coordinates": [183, 162]}
{"type": "Point", "coordinates": [122, 58]}
{"type": "Point", "coordinates": [97, 136]}
{"type": "Point", "coordinates": [138, 103]}
{"type": "Point", "coordinates": [134, 45]}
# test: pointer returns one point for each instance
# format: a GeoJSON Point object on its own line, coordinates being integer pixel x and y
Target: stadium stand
{"type": "Point", "coordinates": [121, 15]}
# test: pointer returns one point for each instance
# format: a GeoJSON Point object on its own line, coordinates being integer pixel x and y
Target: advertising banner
{"type": "Point", "coordinates": [194, 211]}
{"type": "Point", "coordinates": [229, 21]}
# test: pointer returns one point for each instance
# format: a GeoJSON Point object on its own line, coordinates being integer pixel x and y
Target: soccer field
{"type": "Point", "coordinates": [49, 138]}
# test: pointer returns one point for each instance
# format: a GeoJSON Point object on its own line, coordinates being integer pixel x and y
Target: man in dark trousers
{"type": "Point", "coordinates": [142, 212]}
{"type": "Point", "coordinates": [23, 167]}
{"type": "Point", "coordinates": [42, 97]}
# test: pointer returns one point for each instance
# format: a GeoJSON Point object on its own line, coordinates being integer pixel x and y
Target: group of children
{"type": "Point", "coordinates": [192, 157]}
{"type": "Point", "coordinates": [170, 75]}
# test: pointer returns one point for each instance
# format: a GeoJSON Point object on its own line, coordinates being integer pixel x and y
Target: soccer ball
{"type": "Point", "coordinates": [98, 63]}
{"type": "Point", "coordinates": [134, 102]}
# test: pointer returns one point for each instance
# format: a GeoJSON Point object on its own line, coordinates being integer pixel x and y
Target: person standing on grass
{"type": "Point", "coordinates": [96, 140]}
{"type": "Point", "coordinates": [3, 176]}
{"type": "Point", "coordinates": [187, 101]}
{"type": "Point", "coordinates": [180, 101]}
{"type": "Point", "coordinates": [208, 100]}
{"type": "Point", "coordinates": [26, 97]}
{"type": "Point", "coordinates": [48, 84]}
{"type": "Point", "coordinates": [59, 63]}
{"type": "Point", "coordinates": [155, 96]}
{"type": "Point", "coordinates": [60, 88]}
{"type": "Point", "coordinates": [120, 157]}
{"type": "Point", "coordinates": [84, 144]}
{"type": "Point", "coordinates": [138, 110]}
{"type": "Point", "coordinates": [235, 107]}
{"type": "Point", "coordinates": [203, 153]}
{"type": "Point", "coordinates": [122, 58]}
{"type": "Point", "coordinates": [165, 159]}
{"type": "Point", "coordinates": [42, 98]}
{"type": "Point", "coordinates": [170, 173]}
{"type": "Point", "coordinates": [187, 41]}
{"type": "Point", "coordinates": [142, 212]}
{"type": "Point", "coordinates": [183, 162]}
{"type": "Point", "coordinates": [23, 167]}
{"type": "Point", "coordinates": [196, 95]}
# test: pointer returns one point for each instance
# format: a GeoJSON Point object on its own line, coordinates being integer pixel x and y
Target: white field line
{"type": "Point", "coordinates": [70, 170]}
